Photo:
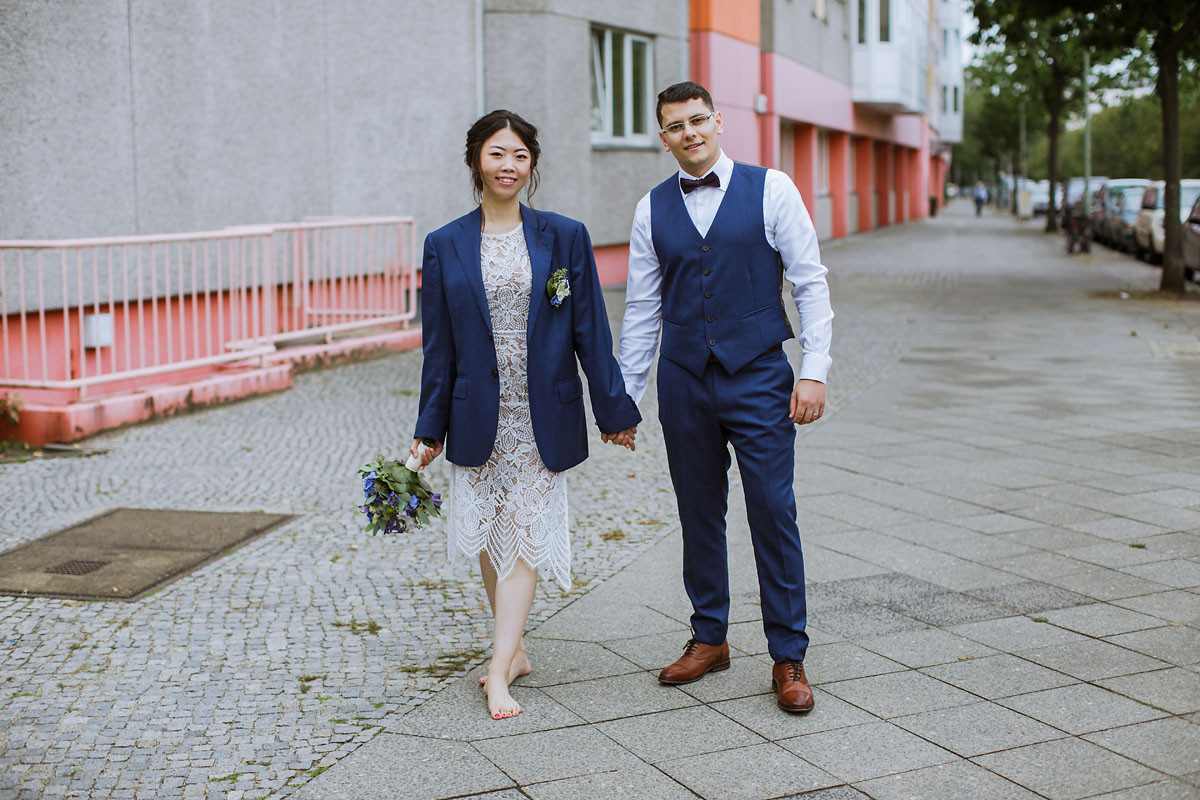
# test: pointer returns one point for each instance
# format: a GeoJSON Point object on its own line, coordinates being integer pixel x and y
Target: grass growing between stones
{"type": "Point", "coordinates": [231, 777]}
{"type": "Point", "coordinates": [306, 682]}
{"type": "Point", "coordinates": [359, 628]}
{"type": "Point", "coordinates": [447, 664]}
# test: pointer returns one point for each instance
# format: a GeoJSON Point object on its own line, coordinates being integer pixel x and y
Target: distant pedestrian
{"type": "Point", "coordinates": [510, 298]}
{"type": "Point", "coordinates": [981, 197]}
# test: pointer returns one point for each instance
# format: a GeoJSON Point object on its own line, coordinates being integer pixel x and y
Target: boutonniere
{"type": "Point", "coordinates": [558, 288]}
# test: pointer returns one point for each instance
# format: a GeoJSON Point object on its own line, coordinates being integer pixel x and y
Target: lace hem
{"type": "Point", "coordinates": [538, 533]}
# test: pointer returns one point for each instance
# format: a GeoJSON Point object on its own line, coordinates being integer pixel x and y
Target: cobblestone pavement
{"type": "Point", "coordinates": [199, 690]}
{"type": "Point", "coordinates": [257, 673]}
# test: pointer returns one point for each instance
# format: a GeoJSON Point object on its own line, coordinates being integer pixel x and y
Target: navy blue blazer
{"type": "Point", "coordinates": [460, 386]}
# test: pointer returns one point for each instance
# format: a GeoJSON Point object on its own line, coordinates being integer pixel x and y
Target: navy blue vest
{"type": "Point", "coordinates": [721, 293]}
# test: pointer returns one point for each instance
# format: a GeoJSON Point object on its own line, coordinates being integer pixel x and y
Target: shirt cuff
{"type": "Point", "coordinates": [815, 367]}
{"type": "Point", "coordinates": [635, 391]}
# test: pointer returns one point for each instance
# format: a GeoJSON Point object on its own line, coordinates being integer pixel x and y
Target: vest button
{"type": "Point", "coordinates": [708, 294]}
{"type": "Point", "coordinates": [708, 272]}
{"type": "Point", "coordinates": [705, 248]}
{"type": "Point", "coordinates": [710, 319]}
{"type": "Point", "coordinates": [711, 342]}
{"type": "Point", "coordinates": [495, 373]}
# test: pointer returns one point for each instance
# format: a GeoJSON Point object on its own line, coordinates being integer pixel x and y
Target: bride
{"type": "Point", "coordinates": [511, 307]}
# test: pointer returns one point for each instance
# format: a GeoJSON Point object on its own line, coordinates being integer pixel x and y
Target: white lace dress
{"type": "Point", "coordinates": [511, 507]}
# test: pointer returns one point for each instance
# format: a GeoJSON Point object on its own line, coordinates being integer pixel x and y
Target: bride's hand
{"type": "Point", "coordinates": [428, 454]}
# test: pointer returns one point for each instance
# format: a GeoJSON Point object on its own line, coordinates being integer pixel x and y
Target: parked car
{"type": "Point", "coordinates": [1128, 203]}
{"type": "Point", "coordinates": [1109, 206]}
{"type": "Point", "coordinates": [1191, 242]}
{"type": "Point", "coordinates": [1149, 215]}
{"type": "Point", "coordinates": [1039, 195]}
{"type": "Point", "coordinates": [1149, 239]}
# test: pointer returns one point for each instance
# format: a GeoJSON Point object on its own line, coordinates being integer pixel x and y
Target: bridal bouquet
{"type": "Point", "coordinates": [395, 496]}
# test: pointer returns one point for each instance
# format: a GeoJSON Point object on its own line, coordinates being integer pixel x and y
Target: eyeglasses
{"type": "Point", "coordinates": [677, 128]}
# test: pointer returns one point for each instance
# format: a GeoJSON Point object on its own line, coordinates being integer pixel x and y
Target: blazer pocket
{"type": "Point", "coordinates": [570, 390]}
{"type": "Point", "coordinates": [757, 311]}
{"type": "Point", "coordinates": [460, 388]}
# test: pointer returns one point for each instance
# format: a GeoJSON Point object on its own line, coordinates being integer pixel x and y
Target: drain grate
{"type": "Point", "coordinates": [76, 567]}
{"type": "Point", "coordinates": [127, 552]}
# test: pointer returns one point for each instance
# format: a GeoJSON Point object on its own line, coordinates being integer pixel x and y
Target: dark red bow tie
{"type": "Point", "coordinates": [688, 185]}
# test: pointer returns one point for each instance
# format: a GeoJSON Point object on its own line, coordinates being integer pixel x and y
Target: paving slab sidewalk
{"type": "Point", "coordinates": [1002, 539]}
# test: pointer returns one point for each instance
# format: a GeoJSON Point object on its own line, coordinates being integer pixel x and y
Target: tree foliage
{"type": "Point", "coordinates": [995, 90]}
{"type": "Point", "coordinates": [1127, 138]}
{"type": "Point", "coordinates": [1167, 31]}
{"type": "Point", "coordinates": [1044, 56]}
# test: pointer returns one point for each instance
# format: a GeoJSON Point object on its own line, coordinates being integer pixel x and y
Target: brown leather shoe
{"type": "Point", "coordinates": [788, 681]}
{"type": "Point", "coordinates": [698, 658]}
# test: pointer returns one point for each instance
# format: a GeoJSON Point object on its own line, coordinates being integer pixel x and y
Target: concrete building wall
{"type": "Point", "coordinates": [66, 129]}
{"type": "Point", "coordinates": [794, 29]}
{"type": "Point", "coordinates": [137, 116]}
{"type": "Point", "coordinates": [147, 117]}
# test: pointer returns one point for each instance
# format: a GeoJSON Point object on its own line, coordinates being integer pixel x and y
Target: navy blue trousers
{"type": "Point", "coordinates": [700, 418]}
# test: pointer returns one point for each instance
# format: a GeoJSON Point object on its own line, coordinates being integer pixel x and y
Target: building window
{"type": "Point", "coordinates": [945, 95]}
{"type": "Point", "coordinates": [862, 21]}
{"type": "Point", "coordinates": [622, 86]}
{"type": "Point", "coordinates": [822, 162]}
{"type": "Point", "coordinates": [945, 42]}
{"type": "Point", "coordinates": [885, 20]}
{"type": "Point", "coordinates": [819, 9]}
{"type": "Point", "coordinates": [956, 99]}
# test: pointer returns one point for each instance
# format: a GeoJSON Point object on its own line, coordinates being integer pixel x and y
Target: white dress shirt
{"type": "Point", "coordinates": [789, 230]}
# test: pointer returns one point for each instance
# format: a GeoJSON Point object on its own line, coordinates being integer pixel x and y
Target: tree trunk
{"type": "Point", "coordinates": [1052, 164]}
{"type": "Point", "coordinates": [1166, 52]}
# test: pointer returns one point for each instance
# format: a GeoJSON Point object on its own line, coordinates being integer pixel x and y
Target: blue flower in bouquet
{"type": "Point", "coordinates": [395, 495]}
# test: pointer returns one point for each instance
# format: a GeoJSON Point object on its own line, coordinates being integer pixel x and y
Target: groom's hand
{"type": "Point", "coordinates": [808, 402]}
{"type": "Point", "coordinates": [624, 439]}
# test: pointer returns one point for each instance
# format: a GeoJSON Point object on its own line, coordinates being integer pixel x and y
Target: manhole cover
{"type": "Point", "coordinates": [76, 567]}
{"type": "Point", "coordinates": [125, 553]}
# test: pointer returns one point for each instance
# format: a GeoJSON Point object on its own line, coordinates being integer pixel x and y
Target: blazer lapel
{"type": "Point", "coordinates": [466, 244]}
{"type": "Point", "coordinates": [539, 240]}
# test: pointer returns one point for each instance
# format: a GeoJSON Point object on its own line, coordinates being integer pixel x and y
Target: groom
{"type": "Point", "coordinates": [707, 256]}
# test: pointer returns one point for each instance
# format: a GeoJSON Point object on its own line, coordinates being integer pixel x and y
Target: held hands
{"type": "Point", "coordinates": [808, 402]}
{"type": "Point", "coordinates": [428, 454]}
{"type": "Point", "coordinates": [624, 438]}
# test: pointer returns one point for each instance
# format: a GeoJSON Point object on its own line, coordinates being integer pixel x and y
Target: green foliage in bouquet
{"type": "Point", "coordinates": [395, 495]}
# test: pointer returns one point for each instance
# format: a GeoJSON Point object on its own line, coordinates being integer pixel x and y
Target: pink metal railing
{"type": "Point", "coordinates": [79, 312]}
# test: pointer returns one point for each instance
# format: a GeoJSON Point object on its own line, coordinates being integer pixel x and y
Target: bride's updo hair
{"type": "Point", "coordinates": [484, 128]}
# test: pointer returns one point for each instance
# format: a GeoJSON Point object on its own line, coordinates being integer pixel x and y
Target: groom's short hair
{"type": "Point", "coordinates": [681, 93]}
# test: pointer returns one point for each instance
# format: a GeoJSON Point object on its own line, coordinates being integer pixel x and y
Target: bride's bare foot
{"type": "Point", "coordinates": [500, 703]}
{"type": "Point", "coordinates": [520, 666]}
